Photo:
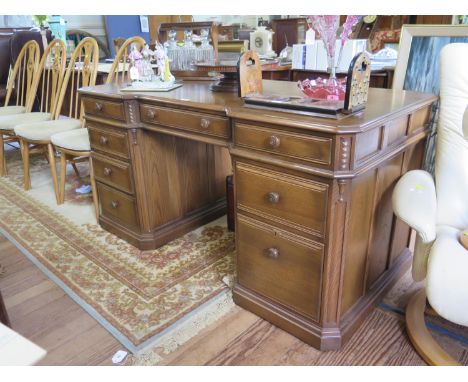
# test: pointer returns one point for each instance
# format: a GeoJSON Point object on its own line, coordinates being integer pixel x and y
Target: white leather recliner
{"type": "Point", "coordinates": [438, 209]}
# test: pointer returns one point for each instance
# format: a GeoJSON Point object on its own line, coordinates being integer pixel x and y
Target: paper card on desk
{"type": "Point", "coordinates": [149, 88]}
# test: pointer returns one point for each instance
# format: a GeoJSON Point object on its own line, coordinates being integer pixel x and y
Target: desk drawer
{"type": "Point", "coordinates": [109, 140]}
{"type": "Point", "coordinates": [113, 172]}
{"type": "Point", "coordinates": [283, 267]}
{"type": "Point", "coordinates": [197, 122]}
{"type": "Point", "coordinates": [293, 145]}
{"type": "Point", "coordinates": [104, 109]}
{"type": "Point", "coordinates": [289, 200]}
{"type": "Point", "coordinates": [118, 206]}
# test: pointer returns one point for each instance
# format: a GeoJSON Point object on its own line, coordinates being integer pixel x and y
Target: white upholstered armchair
{"type": "Point", "coordinates": [437, 209]}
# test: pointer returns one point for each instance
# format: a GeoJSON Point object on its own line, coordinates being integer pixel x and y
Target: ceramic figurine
{"type": "Point", "coordinates": [162, 62]}
{"type": "Point", "coordinates": [136, 69]}
{"type": "Point", "coordinates": [148, 56]}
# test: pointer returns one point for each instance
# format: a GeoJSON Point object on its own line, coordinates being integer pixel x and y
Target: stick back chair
{"type": "Point", "coordinates": [20, 80]}
{"type": "Point", "coordinates": [48, 77]}
{"type": "Point", "coordinates": [118, 42]}
{"type": "Point", "coordinates": [81, 71]}
{"type": "Point", "coordinates": [74, 145]}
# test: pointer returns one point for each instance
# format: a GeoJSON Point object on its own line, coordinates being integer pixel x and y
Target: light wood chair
{"type": "Point", "coordinates": [81, 71]}
{"type": "Point", "coordinates": [48, 77]}
{"type": "Point", "coordinates": [19, 87]}
{"type": "Point", "coordinates": [118, 42]}
{"type": "Point", "coordinates": [74, 145]}
{"type": "Point", "coordinates": [20, 80]}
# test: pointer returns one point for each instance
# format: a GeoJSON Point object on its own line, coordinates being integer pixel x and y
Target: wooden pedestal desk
{"type": "Point", "coordinates": [317, 241]}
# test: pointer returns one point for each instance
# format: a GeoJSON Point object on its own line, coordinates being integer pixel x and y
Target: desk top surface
{"type": "Point", "coordinates": [196, 95]}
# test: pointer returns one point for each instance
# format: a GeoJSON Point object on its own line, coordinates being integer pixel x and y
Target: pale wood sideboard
{"type": "Point", "coordinates": [317, 241]}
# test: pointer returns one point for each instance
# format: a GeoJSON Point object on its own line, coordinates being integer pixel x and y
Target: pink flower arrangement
{"type": "Point", "coordinates": [327, 26]}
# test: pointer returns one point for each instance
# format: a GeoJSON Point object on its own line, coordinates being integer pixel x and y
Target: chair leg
{"type": "Point", "coordinates": [25, 155]}
{"type": "Point", "coordinates": [63, 174]}
{"type": "Point", "coordinates": [2, 156]}
{"type": "Point", "coordinates": [420, 337]}
{"type": "Point", "coordinates": [94, 188]}
{"type": "Point", "coordinates": [53, 171]}
{"type": "Point", "coordinates": [76, 169]}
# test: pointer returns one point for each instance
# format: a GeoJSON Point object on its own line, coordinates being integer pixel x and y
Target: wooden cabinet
{"type": "Point", "coordinates": [291, 31]}
{"type": "Point", "coordinates": [316, 239]}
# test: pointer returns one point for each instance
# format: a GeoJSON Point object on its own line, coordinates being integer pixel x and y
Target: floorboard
{"type": "Point", "coordinates": [42, 312]}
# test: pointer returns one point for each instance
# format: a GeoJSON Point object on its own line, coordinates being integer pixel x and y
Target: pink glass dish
{"type": "Point", "coordinates": [328, 89]}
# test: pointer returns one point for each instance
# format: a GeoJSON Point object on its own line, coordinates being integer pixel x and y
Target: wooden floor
{"type": "Point", "coordinates": [43, 313]}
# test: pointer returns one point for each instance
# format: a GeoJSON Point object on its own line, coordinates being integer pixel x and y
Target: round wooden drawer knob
{"type": "Point", "coordinates": [204, 123]}
{"type": "Point", "coordinates": [273, 197]}
{"type": "Point", "coordinates": [107, 171]}
{"type": "Point", "coordinates": [151, 114]}
{"type": "Point", "coordinates": [103, 140]}
{"type": "Point", "coordinates": [272, 253]}
{"type": "Point", "coordinates": [274, 141]}
{"type": "Point", "coordinates": [114, 204]}
{"type": "Point", "coordinates": [98, 106]}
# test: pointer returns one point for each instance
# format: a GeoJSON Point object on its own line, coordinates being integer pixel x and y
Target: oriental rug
{"type": "Point", "coordinates": [141, 297]}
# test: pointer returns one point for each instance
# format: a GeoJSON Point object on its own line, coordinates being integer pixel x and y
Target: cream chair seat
{"type": "Point", "coordinates": [76, 140]}
{"type": "Point", "coordinates": [8, 122]}
{"type": "Point", "coordinates": [9, 110]}
{"type": "Point", "coordinates": [438, 211]}
{"type": "Point", "coordinates": [43, 131]}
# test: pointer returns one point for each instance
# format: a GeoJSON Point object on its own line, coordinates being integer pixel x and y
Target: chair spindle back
{"type": "Point", "coordinates": [81, 72]}
{"type": "Point", "coordinates": [20, 80]}
{"type": "Point", "coordinates": [50, 76]}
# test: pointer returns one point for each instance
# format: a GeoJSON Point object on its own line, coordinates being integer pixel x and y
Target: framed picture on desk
{"type": "Point", "coordinates": [418, 68]}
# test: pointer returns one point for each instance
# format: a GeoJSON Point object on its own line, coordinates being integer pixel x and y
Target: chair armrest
{"type": "Point", "coordinates": [414, 201]}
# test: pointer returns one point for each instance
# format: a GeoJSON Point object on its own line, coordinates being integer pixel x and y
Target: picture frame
{"type": "Point", "coordinates": [418, 68]}
{"type": "Point", "coordinates": [410, 33]}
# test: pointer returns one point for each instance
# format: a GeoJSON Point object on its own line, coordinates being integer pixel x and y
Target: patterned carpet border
{"type": "Point", "coordinates": [205, 277]}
